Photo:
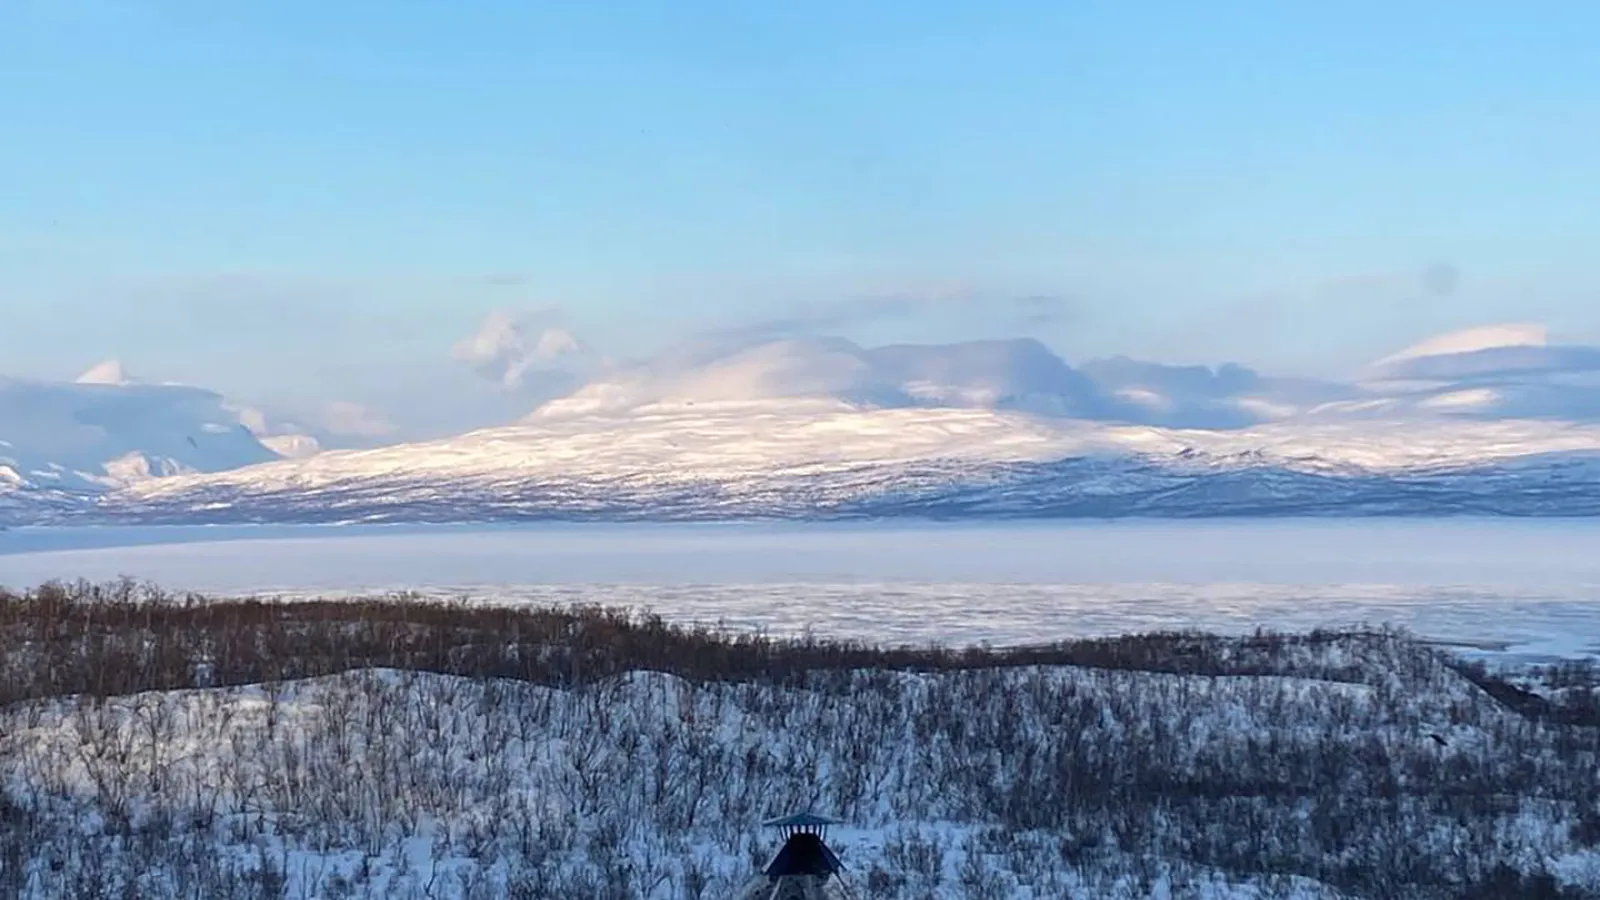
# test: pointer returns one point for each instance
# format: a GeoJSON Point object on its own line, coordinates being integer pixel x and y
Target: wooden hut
{"type": "Point", "coordinates": [804, 868]}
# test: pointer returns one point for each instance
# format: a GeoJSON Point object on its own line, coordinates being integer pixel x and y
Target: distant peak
{"type": "Point", "coordinates": [107, 372]}
{"type": "Point", "coordinates": [1472, 340]}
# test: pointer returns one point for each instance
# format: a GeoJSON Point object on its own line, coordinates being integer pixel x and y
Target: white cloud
{"type": "Point", "coordinates": [252, 419]}
{"type": "Point", "coordinates": [1144, 397]}
{"type": "Point", "coordinates": [509, 347]}
{"type": "Point", "coordinates": [309, 429]}
{"type": "Point", "coordinates": [107, 372]}
{"type": "Point", "coordinates": [346, 419]}
{"type": "Point", "coordinates": [1475, 398]}
{"type": "Point", "coordinates": [1265, 409]}
{"type": "Point", "coordinates": [1019, 374]}
{"type": "Point", "coordinates": [292, 446]}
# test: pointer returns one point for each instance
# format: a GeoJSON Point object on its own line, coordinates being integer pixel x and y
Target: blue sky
{"type": "Point", "coordinates": [297, 198]}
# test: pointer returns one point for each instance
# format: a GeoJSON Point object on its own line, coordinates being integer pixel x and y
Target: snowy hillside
{"type": "Point", "coordinates": [374, 749]}
{"type": "Point", "coordinates": [806, 458]}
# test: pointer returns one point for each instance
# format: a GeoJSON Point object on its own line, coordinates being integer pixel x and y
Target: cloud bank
{"type": "Point", "coordinates": [1019, 374]}
{"type": "Point", "coordinates": [1505, 371]}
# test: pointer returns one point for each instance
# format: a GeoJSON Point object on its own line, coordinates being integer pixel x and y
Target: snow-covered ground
{"type": "Point", "coordinates": [961, 785]}
{"type": "Point", "coordinates": [1532, 587]}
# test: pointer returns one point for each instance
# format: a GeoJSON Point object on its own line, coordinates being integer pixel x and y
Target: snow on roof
{"type": "Point", "coordinates": [801, 820]}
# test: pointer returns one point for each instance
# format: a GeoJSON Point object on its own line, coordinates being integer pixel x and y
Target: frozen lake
{"type": "Point", "coordinates": [1531, 584]}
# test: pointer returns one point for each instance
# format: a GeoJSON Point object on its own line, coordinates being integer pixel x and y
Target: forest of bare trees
{"type": "Point", "coordinates": [181, 746]}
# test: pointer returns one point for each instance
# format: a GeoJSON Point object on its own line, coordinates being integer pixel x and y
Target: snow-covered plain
{"type": "Point", "coordinates": [1528, 588]}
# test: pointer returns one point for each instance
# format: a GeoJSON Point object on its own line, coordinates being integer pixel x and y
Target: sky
{"type": "Point", "coordinates": [291, 199]}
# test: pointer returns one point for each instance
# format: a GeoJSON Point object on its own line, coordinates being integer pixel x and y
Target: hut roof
{"type": "Point", "coordinates": [801, 820]}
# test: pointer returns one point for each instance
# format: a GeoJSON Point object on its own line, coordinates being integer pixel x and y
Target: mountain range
{"type": "Point", "coordinates": [1492, 420]}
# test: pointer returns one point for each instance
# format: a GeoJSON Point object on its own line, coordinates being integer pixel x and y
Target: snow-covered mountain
{"type": "Point", "coordinates": [803, 458]}
{"type": "Point", "coordinates": [825, 428]}
{"type": "Point", "coordinates": [62, 441]}
{"type": "Point", "coordinates": [90, 435]}
{"type": "Point", "coordinates": [1493, 372]}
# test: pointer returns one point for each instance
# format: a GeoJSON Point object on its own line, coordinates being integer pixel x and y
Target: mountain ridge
{"type": "Point", "coordinates": [1490, 420]}
{"type": "Point", "coordinates": [814, 459]}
